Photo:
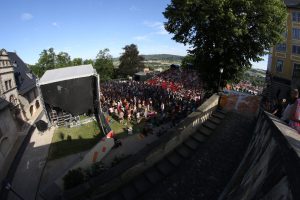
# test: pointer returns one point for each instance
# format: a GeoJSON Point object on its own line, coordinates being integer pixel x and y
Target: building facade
{"type": "Point", "coordinates": [28, 94]}
{"type": "Point", "coordinates": [10, 110]}
{"type": "Point", "coordinates": [19, 103]}
{"type": "Point", "coordinates": [284, 63]}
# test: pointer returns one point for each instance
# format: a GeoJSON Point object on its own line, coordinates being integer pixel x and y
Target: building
{"type": "Point", "coordinates": [10, 109]}
{"type": "Point", "coordinates": [19, 101]}
{"type": "Point", "coordinates": [284, 62]}
{"type": "Point", "coordinates": [28, 94]}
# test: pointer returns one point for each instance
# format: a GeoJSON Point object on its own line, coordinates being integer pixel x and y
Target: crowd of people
{"type": "Point", "coordinates": [169, 96]}
{"type": "Point", "coordinates": [288, 110]}
{"type": "Point", "coordinates": [247, 87]}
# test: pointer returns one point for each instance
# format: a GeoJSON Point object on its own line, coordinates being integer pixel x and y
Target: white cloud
{"type": "Point", "coordinates": [152, 24]}
{"type": "Point", "coordinates": [158, 27]}
{"type": "Point", "coordinates": [55, 24]}
{"type": "Point", "coordinates": [141, 38]}
{"type": "Point", "coordinates": [26, 16]}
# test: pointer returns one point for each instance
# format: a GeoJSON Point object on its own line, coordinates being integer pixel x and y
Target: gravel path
{"type": "Point", "coordinates": [206, 173]}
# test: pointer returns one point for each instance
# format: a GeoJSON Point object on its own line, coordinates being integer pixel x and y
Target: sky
{"type": "Point", "coordinates": [83, 27]}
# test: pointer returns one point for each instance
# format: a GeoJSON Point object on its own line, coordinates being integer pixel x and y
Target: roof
{"type": "Point", "coordinates": [292, 3]}
{"type": "Point", "coordinates": [25, 80]}
{"type": "Point", "coordinates": [67, 73]}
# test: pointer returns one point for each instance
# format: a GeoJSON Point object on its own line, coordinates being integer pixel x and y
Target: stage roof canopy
{"type": "Point", "coordinates": [67, 73]}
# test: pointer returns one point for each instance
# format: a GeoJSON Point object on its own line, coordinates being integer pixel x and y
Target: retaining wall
{"type": "Point", "coordinates": [271, 166]}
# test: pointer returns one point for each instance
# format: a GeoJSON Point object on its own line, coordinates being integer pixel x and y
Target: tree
{"type": "Point", "coordinates": [226, 34]}
{"type": "Point", "coordinates": [63, 60]}
{"type": "Point", "coordinates": [36, 70]}
{"type": "Point", "coordinates": [77, 61]}
{"type": "Point", "coordinates": [46, 61]}
{"type": "Point", "coordinates": [88, 61]}
{"type": "Point", "coordinates": [188, 60]}
{"type": "Point", "coordinates": [130, 61]}
{"type": "Point", "coordinates": [104, 65]}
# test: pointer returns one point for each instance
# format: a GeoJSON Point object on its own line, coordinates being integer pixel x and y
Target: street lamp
{"type": "Point", "coordinates": [221, 72]}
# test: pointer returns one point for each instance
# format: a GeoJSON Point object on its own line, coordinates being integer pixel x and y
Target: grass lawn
{"type": "Point", "coordinates": [67, 141]}
{"type": "Point", "coordinates": [83, 117]}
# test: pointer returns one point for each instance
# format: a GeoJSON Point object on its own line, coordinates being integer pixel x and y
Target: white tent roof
{"type": "Point", "coordinates": [67, 73]}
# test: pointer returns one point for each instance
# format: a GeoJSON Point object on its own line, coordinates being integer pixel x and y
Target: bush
{"type": "Point", "coordinates": [95, 169]}
{"type": "Point", "coordinates": [73, 178]}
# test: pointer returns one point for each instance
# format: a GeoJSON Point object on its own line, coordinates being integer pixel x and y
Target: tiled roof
{"type": "Point", "coordinates": [25, 80]}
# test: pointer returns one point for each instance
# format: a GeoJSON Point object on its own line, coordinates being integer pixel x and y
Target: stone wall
{"type": "Point", "coordinates": [8, 136]}
{"type": "Point", "coordinates": [271, 165]}
{"type": "Point", "coordinates": [135, 165]}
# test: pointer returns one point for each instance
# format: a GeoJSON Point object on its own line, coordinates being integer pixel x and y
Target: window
{"type": "Point", "coordinates": [9, 84]}
{"type": "Point", "coordinates": [6, 85]}
{"type": "Point", "coordinates": [296, 16]}
{"type": "Point", "coordinates": [281, 47]}
{"type": "Point", "coordinates": [296, 33]}
{"type": "Point", "coordinates": [296, 49]}
{"type": "Point", "coordinates": [296, 71]}
{"type": "Point", "coordinates": [279, 65]}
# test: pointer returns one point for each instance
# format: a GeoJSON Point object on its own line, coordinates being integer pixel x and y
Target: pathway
{"type": "Point", "coordinates": [27, 175]}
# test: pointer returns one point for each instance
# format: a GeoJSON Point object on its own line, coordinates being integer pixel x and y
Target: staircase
{"type": "Point", "coordinates": [166, 166]}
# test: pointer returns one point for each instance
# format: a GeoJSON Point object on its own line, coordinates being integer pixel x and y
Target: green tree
{"type": "Point", "coordinates": [36, 70]}
{"type": "Point", "coordinates": [63, 59]}
{"type": "Point", "coordinates": [46, 61]}
{"type": "Point", "coordinates": [77, 61]}
{"type": "Point", "coordinates": [130, 61]}
{"type": "Point", "coordinates": [104, 65]}
{"type": "Point", "coordinates": [188, 60]}
{"type": "Point", "coordinates": [88, 61]}
{"type": "Point", "coordinates": [226, 34]}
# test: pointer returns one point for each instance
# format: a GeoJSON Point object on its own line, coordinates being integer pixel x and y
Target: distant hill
{"type": "Point", "coordinates": [255, 76]}
{"type": "Point", "coordinates": [163, 57]}
{"type": "Point", "coordinates": [160, 57]}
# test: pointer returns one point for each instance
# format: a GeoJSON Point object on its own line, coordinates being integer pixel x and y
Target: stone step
{"type": "Point", "coordinates": [210, 125]}
{"type": "Point", "coordinates": [221, 111]}
{"type": "Point", "coordinates": [165, 167]}
{"type": "Point", "coordinates": [153, 175]}
{"type": "Point", "coordinates": [129, 192]}
{"type": "Point", "coordinates": [218, 115]}
{"type": "Point", "coordinates": [183, 151]}
{"type": "Point", "coordinates": [142, 184]}
{"type": "Point", "coordinates": [174, 158]}
{"type": "Point", "coordinates": [215, 120]}
{"type": "Point", "coordinates": [199, 137]}
{"type": "Point", "coordinates": [204, 130]}
{"type": "Point", "coordinates": [192, 143]}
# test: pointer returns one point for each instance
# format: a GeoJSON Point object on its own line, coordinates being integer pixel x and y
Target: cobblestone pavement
{"type": "Point", "coordinates": [206, 173]}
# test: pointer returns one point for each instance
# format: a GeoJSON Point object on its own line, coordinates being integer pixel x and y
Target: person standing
{"type": "Point", "coordinates": [295, 111]}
